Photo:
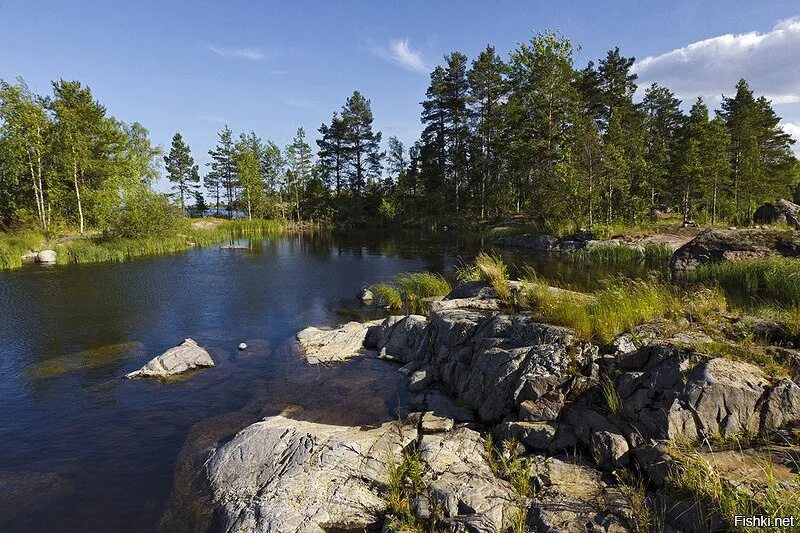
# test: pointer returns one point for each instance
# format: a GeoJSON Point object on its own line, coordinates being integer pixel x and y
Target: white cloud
{"type": "Point", "coordinates": [399, 51]}
{"type": "Point", "coordinates": [794, 130]}
{"type": "Point", "coordinates": [712, 66]}
{"type": "Point", "coordinates": [252, 54]}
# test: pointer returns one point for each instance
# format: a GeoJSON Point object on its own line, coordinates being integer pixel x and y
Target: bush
{"type": "Point", "coordinates": [145, 214]}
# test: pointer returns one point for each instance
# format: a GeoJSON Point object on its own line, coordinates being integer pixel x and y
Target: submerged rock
{"type": "Point", "coordinates": [366, 296]}
{"type": "Point", "coordinates": [187, 356]}
{"type": "Point", "coordinates": [334, 345]}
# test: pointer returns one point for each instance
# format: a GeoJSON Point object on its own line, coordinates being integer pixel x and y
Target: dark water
{"type": "Point", "coordinates": [82, 449]}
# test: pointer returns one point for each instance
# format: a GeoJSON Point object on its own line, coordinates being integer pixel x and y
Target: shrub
{"type": "Point", "coordinates": [144, 214]}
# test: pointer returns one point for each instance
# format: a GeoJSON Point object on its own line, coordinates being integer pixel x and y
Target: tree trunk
{"type": "Point", "coordinates": [77, 188]}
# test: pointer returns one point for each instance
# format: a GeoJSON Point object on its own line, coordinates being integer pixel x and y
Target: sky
{"type": "Point", "coordinates": [274, 66]}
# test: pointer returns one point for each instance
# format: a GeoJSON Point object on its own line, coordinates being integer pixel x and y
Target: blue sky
{"type": "Point", "coordinates": [272, 66]}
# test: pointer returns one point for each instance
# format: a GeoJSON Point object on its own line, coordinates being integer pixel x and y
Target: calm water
{"type": "Point", "coordinates": [82, 449]}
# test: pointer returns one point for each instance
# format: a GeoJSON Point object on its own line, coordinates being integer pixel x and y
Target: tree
{"type": "Point", "coordinates": [362, 145]}
{"type": "Point", "coordinates": [298, 157]}
{"type": "Point", "coordinates": [86, 139]}
{"type": "Point", "coordinates": [249, 172]}
{"type": "Point", "coordinates": [200, 205]}
{"type": "Point", "coordinates": [181, 169]}
{"type": "Point", "coordinates": [488, 90]}
{"type": "Point", "coordinates": [396, 162]}
{"type": "Point", "coordinates": [663, 122]}
{"type": "Point", "coordinates": [24, 141]}
{"type": "Point", "coordinates": [223, 168]}
{"type": "Point", "coordinates": [332, 152]}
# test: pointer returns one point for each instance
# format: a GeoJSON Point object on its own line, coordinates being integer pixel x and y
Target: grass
{"type": "Point", "coordinates": [13, 245]}
{"type": "Point", "coordinates": [697, 479]}
{"type": "Point", "coordinates": [773, 281]}
{"type": "Point", "coordinates": [507, 463]}
{"type": "Point", "coordinates": [103, 249]}
{"type": "Point", "coordinates": [406, 483]}
{"type": "Point", "coordinates": [651, 255]}
{"type": "Point", "coordinates": [611, 396]}
{"type": "Point", "coordinates": [490, 268]}
{"type": "Point", "coordinates": [620, 306]}
{"type": "Point", "coordinates": [635, 488]}
{"type": "Point", "coordinates": [748, 352]}
{"type": "Point", "coordinates": [411, 289]}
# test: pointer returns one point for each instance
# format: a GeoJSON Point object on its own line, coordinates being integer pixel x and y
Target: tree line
{"type": "Point", "coordinates": [531, 134]}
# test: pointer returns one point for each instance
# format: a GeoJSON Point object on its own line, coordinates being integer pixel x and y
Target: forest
{"type": "Point", "coordinates": [533, 134]}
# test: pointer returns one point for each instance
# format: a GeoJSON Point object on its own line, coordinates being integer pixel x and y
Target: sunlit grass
{"type": "Point", "coordinates": [387, 295]}
{"type": "Point", "coordinates": [771, 281]}
{"type": "Point", "coordinates": [490, 268]}
{"type": "Point", "coordinates": [618, 307]}
{"type": "Point", "coordinates": [651, 255]}
{"type": "Point", "coordinates": [13, 245]}
{"type": "Point", "coordinates": [411, 289]}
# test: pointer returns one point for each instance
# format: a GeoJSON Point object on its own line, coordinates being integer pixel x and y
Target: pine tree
{"type": "Point", "coordinates": [332, 152]}
{"type": "Point", "coordinates": [223, 168]}
{"type": "Point", "coordinates": [298, 157]}
{"type": "Point", "coordinates": [396, 162]}
{"type": "Point", "coordinates": [181, 169]}
{"type": "Point", "coordinates": [200, 205]}
{"type": "Point", "coordinates": [488, 87]}
{"type": "Point", "coordinates": [362, 145]}
{"type": "Point", "coordinates": [663, 122]}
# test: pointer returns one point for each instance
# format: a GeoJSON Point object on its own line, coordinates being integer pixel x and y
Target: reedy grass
{"type": "Point", "coordinates": [618, 307]}
{"type": "Point", "coordinates": [754, 282]}
{"type": "Point", "coordinates": [651, 255]}
{"type": "Point", "coordinates": [13, 245]}
{"type": "Point", "coordinates": [507, 463]}
{"type": "Point", "coordinates": [490, 268]}
{"type": "Point", "coordinates": [696, 478]}
{"type": "Point", "coordinates": [103, 249]}
{"type": "Point", "coordinates": [414, 287]}
{"type": "Point", "coordinates": [611, 396]}
{"type": "Point", "coordinates": [387, 294]}
{"type": "Point", "coordinates": [406, 482]}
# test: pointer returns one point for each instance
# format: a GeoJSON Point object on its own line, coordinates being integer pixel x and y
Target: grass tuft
{"type": "Point", "coordinates": [388, 295]}
{"type": "Point", "coordinates": [490, 268]}
{"type": "Point", "coordinates": [414, 287]}
{"type": "Point", "coordinates": [755, 282]}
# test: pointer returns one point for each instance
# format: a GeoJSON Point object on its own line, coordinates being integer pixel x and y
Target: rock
{"type": "Point", "coordinates": [441, 405]}
{"type": "Point", "coordinates": [409, 368]}
{"type": "Point", "coordinates": [790, 211]}
{"type": "Point", "coordinates": [46, 257]}
{"type": "Point", "coordinates": [546, 408]}
{"type": "Point", "coordinates": [605, 440]}
{"type": "Point", "coordinates": [470, 497]}
{"type": "Point", "coordinates": [378, 334]}
{"type": "Point", "coordinates": [768, 214]}
{"type": "Point", "coordinates": [187, 356]}
{"type": "Point", "coordinates": [538, 436]}
{"type": "Point", "coordinates": [495, 363]}
{"type": "Point", "coordinates": [30, 257]}
{"type": "Point", "coordinates": [536, 243]}
{"type": "Point", "coordinates": [716, 245]}
{"type": "Point", "coordinates": [407, 340]}
{"type": "Point", "coordinates": [432, 423]}
{"type": "Point", "coordinates": [292, 475]}
{"type": "Point", "coordinates": [654, 461]}
{"type": "Point", "coordinates": [334, 345]}
{"type": "Point", "coordinates": [780, 406]}
{"type": "Point", "coordinates": [420, 380]}
{"type": "Point", "coordinates": [574, 498]}
{"type": "Point", "coordinates": [366, 296]}
{"type": "Point", "coordinates": [242, 346]}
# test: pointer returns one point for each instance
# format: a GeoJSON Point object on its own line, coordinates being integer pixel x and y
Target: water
{"type": "Point", "coordinates": [82, 449]}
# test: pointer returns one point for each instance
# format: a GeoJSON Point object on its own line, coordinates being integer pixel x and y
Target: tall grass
{"type": "Point", "coordinates": [771, 281]}
{"type": "Point", "coordinates": [491, 268]}
{"type": "Point", "coordinates": [507, 463]}
{"type": "Point", "coordinates": [406, 483]}
{"type": "Point", "coordinates": [102, 249]}
{"type": "Point", "coordinates": [618, 307]}
{"type": "Point", "coordinates": [411, 289]}
{"type": "Point", "coordinates": [13, 245]}
{"type": "Point", "coordinates": [697, 479]}
{"type": "Point", "coordinates": [651, 255]}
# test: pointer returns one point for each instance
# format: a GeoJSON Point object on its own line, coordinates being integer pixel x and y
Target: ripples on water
{"type": "Point", "coordinates": [81, 449]}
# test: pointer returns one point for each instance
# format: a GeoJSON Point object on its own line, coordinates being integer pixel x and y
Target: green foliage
{"type": "Point", "coordinates": [416, 286]}
{"type": "Point", "coordinates": [651, 254]}
{"type": "Point", "coordinates": [388, 294]}
{"type": "Point", "coordinates": [144, 214]}
{"type": "Point", "coordinates": [506, 462]}
{"type": "Point", "coordinates": [611, 396]}
{"type": "Point", "coordinates": [771, 281]}
{"type": "Point", "coordinates": [618, 307]}
{"type": "Point", "coordinates": [406, 482]}
{"type": "Point", "coordinates": [13, 245]}
{"type": "Point", "coordinates": [491, 268]}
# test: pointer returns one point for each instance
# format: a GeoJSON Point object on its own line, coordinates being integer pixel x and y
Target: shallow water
{"type": "Point", "coordinates": [82, 449]}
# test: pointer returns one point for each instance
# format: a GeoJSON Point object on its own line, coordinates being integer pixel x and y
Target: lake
{"type": "Point", "coordinates": [82, 449]}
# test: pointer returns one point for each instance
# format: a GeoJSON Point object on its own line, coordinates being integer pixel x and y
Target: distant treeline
{"type": "Point", "coordinates": [532, 134]}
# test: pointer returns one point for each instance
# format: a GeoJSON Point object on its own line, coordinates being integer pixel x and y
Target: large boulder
{"type": "Point", "coordinates": [717, 245]}
{"type": "Point", "coordinates": [46, 257]}
{"type": "Point", "coordinates": [182, 358]}
{"type": "Point", "coordinates": [291, 475]}
{"type": "Point", "coordinates": [334, 345]}
{"type": "Point", "coordinates": [790, 211]}
{"type": "Point", "coordinates": [768, 214]}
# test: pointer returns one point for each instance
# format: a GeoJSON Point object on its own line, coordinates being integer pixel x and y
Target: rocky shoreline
{"type": "Point", "coordinates": [586, 419]}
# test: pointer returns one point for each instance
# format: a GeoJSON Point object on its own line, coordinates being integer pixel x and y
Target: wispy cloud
{"type": "Point", "coordinates": [249, 53]}
{"type": "Point", "coordinates": [399, 51]}
{"type": "Point", "coordinates": [793, 130]}
{"type": "Point", "coordinates": [301, 103]}
{"type": "Point", "coordinates": [713, 66]}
